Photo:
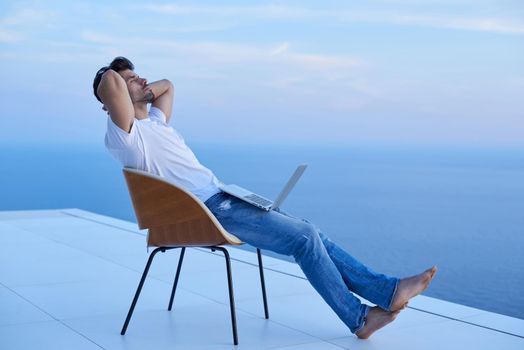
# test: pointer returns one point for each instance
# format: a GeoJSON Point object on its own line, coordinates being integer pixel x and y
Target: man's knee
{"type": "Point", "coordinates": [307, 239]}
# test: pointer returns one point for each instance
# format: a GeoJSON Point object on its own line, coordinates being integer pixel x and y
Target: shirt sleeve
{"type": "Point", "coordinates": [117, 138]}
{"type": "Point", "coordinates": [157, 114]}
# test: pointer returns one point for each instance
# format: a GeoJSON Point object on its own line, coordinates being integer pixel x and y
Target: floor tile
{"type": "Point", "coordinates": [14, 309]}
{"type": "Point", "coordinates": [307, 312]}
{"type": "Point", "coordinates": [165, 264]}
{"type": "Point", "coordinates": [43, 335]}
{"type": "Point", "coordinates": [442, 307]}
{"type": "Point", "coordinates": [98, 239]}
{"type": "Point", "coordinates": [501, 322]}
{"type": "Point", "coordinates": [79, 299]}
{"type": "Point", "coordinates": [9, 215]}
{"type": "Point", "coordinates": [304, 312]}
{"type": "Point", "coordinates": [102, 219]}
{"type": "Point", "coordinates": [199, 327]}
{"type": "Point", "coordinates": [49, 224]}
{"type": "Point", "coordinates": [17, 237]}
{"type": "Point", "coordinates": [246, 284]}
{"type": "Point", "coordinates": [311, 346]}
{"type": "Point", "coordinates": [251, 257]}
{"type": "Point", "coordinates": [290, 268]}
{"type": "Point", "coordinates": [53, 263]}
{"type": "Point", "coordinates": [448, 335]}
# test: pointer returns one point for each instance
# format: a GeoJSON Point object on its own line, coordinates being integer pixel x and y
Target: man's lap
{"type": "Point", "coordinates": [273, 230]}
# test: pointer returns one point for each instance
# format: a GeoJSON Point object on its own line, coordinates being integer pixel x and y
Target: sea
{"type": "Point", "coordinates": [399, 210]}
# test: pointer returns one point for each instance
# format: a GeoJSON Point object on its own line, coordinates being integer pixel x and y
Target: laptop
{"type": "Point", "coordinates": [262, 202]}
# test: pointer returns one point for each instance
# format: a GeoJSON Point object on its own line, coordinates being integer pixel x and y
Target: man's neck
{"type": "Point", "coordinates": [140, 110]}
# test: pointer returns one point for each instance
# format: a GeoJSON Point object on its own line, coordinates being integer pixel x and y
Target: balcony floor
{"type": "Point", "coordinates": [67, 278]}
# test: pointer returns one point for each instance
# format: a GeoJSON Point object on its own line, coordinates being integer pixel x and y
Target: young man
{"type": "Point", "coordinates": [143, 139]}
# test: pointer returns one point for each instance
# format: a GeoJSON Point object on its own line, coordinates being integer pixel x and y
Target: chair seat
{"type": "Point", "coordinates": [174, 216]}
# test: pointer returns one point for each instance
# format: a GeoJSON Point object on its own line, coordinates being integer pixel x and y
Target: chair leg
{"type": "Point", "coordinates": [231, 297]}
{"type": "Point", "coordinates": [175, 283]}
{"type": "Point", "coordinates": [263, 283]}
{"type": "Point", "coordinates": [139, 289]}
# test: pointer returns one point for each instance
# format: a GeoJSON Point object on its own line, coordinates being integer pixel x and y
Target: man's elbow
{"type": "Point", "coordinates": [170, 85]}
{"type": "Point", "coordinates": [167, 84]}
{"type": "Point", "coordinates": [110, 81]}
{"type": "Point", "coordinates": [110, 75]}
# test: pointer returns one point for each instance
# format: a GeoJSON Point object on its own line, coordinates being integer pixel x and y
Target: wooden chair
{"type": "Point", "coordinates": [175, 218]}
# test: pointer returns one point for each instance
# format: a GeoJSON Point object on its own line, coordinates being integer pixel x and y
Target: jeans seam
{"type": "Point", "coordinates": [393, 294]}
{"type": "Point", "coordinates": [376, 289]}
{"type": "Point", "coordinates": [364, 319]}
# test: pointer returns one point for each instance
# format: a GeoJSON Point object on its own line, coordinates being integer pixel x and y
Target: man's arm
{"type": "Point", "coordinates": [115, 96]}
{"type": "Point", "coordinates": [163, 92]}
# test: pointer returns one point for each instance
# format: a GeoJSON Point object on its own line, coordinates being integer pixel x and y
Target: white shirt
{"type": "Point", "coordinates": [153, 146]}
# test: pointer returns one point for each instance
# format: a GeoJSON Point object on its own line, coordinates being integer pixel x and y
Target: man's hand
{"type": "Point", "coordinates": [162, 93]}
{"type": "Point", "coordinates": [150, 97]}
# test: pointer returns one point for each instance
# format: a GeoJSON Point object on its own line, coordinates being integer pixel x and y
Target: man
{"type": "Point", "coordinates": [142, 139]}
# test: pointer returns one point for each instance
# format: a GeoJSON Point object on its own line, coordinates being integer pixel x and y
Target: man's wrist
{"type": "Point", "coordinates": [150, 97]}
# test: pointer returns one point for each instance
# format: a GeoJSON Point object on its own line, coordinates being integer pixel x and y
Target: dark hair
{"type": "Point", "coordinates": [118, 64]}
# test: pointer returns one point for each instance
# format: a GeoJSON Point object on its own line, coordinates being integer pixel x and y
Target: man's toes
{"type": "Point", "coordinates": [433, 271]}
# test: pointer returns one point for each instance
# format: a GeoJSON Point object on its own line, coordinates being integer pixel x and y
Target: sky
{"type": "Point", "coordinates": [380, 72]}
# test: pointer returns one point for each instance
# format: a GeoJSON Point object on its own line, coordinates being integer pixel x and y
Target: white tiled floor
{"type": "Point", "coordinates": [67, 278]}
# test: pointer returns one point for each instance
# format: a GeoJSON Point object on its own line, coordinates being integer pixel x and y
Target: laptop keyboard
{"type": "Point", "coordinates": [257, 199]}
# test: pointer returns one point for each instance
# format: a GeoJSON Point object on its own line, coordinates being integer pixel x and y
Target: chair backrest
{"type": "Point", "coordinates": [174, 216]}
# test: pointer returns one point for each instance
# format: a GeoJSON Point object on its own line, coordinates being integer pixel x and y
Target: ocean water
{"type": "Point", "coordinates": [397, 210]}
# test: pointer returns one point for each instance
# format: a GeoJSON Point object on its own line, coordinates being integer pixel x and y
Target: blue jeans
{"type": "Point", "coordinates": [331, 271]}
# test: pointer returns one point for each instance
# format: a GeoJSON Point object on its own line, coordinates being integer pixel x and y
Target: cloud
{"type": "Point", "coordinates": [97, 38]}
{"type": "Point", "coordinates": [28, 17]}
{"type": "Point", "coordinates": [10, 37]}
{"type": "Point", "coordinates": [194, 28]}
{"type": "Point", "coordinates": [227, 53]}
{"type": "Point", "coordinates": [17, 26]}
{"type": "Point", "coordinates": [282, 48]}
{"type": "Point", "coordinates": [495, 25]}
{"type": "Point", "coordinates": [259, 11]}
{"type": "Point", "coordinates": [501, 25]}
{"type": "Point", "coordinates": [277, 71]}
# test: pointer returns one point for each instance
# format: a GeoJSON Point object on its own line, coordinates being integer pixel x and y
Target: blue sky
{"type": "Point", "coordinates": [416, 73]}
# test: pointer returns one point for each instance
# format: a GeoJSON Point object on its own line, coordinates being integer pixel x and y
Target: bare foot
{"type": "Point", "coordinates": [410, 287]}
{"type": "Point", "coordinates": [376, 319]}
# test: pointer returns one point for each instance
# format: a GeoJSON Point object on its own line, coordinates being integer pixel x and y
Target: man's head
{"type": "Point", "coordinates": [119, 64]}
{"type": "Point", "coordinates": [137, 87]}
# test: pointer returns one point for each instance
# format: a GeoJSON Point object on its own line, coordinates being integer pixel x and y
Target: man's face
{"type": "Point", "coordinates": [138, 89]}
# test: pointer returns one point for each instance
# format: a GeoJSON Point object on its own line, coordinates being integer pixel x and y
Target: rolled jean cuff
{"type": "Point", "coordinates": [397, 281]}
{"type": "Point", "coordinates": [362, 319]}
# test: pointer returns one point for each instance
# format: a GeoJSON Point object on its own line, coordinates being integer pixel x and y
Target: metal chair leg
{"type": "Point", "coordinates": [177, 276]}
{"type": "Point", "coordinates": [231, 297]}
{"type": "Point", "coordinates": [175, 283]}
{"type": "Point", "coordinates": [139, 289]}
{"type": "Point", "coordinates": [262, 282]}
